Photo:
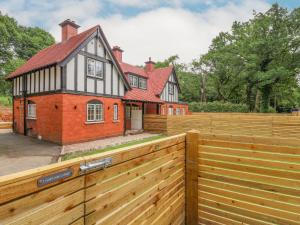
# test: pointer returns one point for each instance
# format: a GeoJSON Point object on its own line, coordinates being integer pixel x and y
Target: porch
{"type": "Point", "coordinates": [135, 112]}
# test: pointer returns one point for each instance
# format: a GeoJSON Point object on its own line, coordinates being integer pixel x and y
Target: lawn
{"type": "Point", "coordinates": [5, 100]}
{"type": "Point", "coordinates": [92, 152]}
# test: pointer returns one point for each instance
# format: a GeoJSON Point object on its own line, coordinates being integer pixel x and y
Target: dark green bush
{"type": "Point", "coordinates": [217, 107]}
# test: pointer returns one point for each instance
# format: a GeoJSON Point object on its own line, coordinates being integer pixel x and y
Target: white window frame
{"type": "Point", "coordinates": [116, 112]}
{"type": "Point", "coordinates": [143, 83]}
{"type": "Point", "coordinates": [96, 117]}
{"type": "Point", "coordinates": [93, 72]}
{"type": "Point", "coordinates": [133, 80]}
{"type": "Point", "coordinates": [31, 112]}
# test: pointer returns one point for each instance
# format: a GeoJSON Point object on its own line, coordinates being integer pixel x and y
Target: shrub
{"type": "Point", "coordinates": [5, 101]}
{"type": "Point", "coordinates": [217, 107]}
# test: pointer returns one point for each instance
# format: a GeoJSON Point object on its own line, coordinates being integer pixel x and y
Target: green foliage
{"type": "Point", "coordinates": [18, 44]}
{"type": "Point", "coordinates": [247, 64]}
{"type": "Point", "coordinates": [5, 100]}
{"type": "Point", "coordinates": [217, 106]}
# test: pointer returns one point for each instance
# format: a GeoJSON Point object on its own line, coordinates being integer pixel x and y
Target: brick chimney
{"type": "Point", "coordinates": [149, 65]}
{"type": "Point", "coordinates": [118, 52]}
{"type": "Point", "coordinates": [68, 29]}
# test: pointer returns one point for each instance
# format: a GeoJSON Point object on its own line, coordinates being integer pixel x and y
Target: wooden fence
{"type": "Point", "coordinates": [234, 181]}
{"type": "Point", "coordinates": [143, 184]}
{"type": "Point", "coordinates": [185, 179]}
{"type": "Point", "coordinates": [226, 123]}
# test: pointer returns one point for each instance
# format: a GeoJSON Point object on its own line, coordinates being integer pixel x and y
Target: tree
{"type": "Point", "coordinates": [18, 44]}
{"type": "Point", "coordinates": [255, 58]}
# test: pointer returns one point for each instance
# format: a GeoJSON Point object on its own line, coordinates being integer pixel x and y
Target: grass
{"type": "Point", "coordinates": [5, 101]}
{"type": "Point", "coordinates": [92, 152]}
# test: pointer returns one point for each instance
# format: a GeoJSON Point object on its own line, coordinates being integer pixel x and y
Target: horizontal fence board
{"type": "Point", "coordinates": [250, 180]}
{"type": "Point", "coordinates": [143, 183]}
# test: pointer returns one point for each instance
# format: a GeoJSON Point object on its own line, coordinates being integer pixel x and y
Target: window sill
{"type": "Point", "coordinates": [116, 121]}
{"type": "Point", "coordinates": [93, 122]}
{"type": "Point", "coordinates": [30, 118]}
{"type": "Point", "coordinates": [99, 78]}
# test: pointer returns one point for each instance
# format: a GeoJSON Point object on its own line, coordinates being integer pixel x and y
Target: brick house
{"type": "Point", "coordinates": [80, 89]}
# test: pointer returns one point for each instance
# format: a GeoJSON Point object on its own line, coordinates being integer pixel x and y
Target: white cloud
{"type": "Point", "coordinates": [159, 32]}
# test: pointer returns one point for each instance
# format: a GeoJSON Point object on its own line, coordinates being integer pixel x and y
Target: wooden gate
{"type": "Point", "coordinates": [242, 180]}
{"type": "Point", "coordinates": [136, 119]}
{"type": "Point", "coordinates": [143, 184]}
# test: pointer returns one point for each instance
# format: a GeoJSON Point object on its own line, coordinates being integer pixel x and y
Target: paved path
{"type": "Point", "coordinates": [103, 143]}
{"type": "Point", "coordinates": [18, 153]}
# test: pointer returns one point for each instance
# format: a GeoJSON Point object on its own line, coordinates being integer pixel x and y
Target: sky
{"type": "Point", "coordinates": [143, 28]}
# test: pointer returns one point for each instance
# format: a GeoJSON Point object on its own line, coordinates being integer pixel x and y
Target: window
{"type": "Point", "coordinates": [142, 83]}
{"type": "Point", "coordinates": [94, 111]}
{"type": "Point", "coordinates": [177, 111]}
{"type": "Point", "coordinates": [99, 69]}
{"type": "Point", "coordinates": [183, 111]}
{"type": "Point", "coordinates": [31, 110]}
{"type": "Point", "coordinates": [95, 68]}
{"type": "Point", "coordinates": [171, 89]}
{"type": "Point", "coordinates": [91, 67]}
{"type": "Point", "coordinates": [133, 81]}
{"type": "Point", "coordinates": [116, 112]}
{"type": "Point", "coordinates": [170, 111]}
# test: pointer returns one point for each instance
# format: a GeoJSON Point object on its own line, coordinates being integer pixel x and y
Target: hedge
{"type": "Point", "coordinates": [217, 107]}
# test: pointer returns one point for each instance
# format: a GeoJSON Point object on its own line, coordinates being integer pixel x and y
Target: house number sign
{"type": "Point", "coordinates": [54, 177]}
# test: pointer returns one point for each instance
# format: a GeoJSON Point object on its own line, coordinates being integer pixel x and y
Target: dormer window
{"type": "Point", "coordinates": [142, 83]}
{"type": "Point", "coordinates": [95, 68]}
{"type": "Point", "coordinates": [137, 82]}
{"type": "Point", "coordinates": [133, 80]}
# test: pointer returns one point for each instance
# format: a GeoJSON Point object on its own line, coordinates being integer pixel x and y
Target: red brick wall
{"type": "Point", "coordinates": [48, 117]}
{"type": "Point", "coordinates": [75, 129]}
{"type": "Point", "coordinates": [164, 108]}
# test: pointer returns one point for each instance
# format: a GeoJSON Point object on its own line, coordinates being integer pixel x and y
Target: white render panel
{"type": "Point", "coordinates": [42, 81]}
{"type": "Point", "coordinates": [100, 87]}
{"type": "Point", "coordinates": [70, 75]}
{"type": "Point", "coordinates": [100, 48]}
{"type": "Point", "coordinates": [80, 72]}
{"type": "Point", "coordinates": [115, 81]}
{"type": "Point", "coordinates": [90, 85]}
{"type": "Point", "coordinates": [91, 47]}
{"type": "Point", "coordinates": [18, 86]}
{"type": "Point", "coordinates": [46, 79]}
{"type": "Point", "coordinates": [121, 87]}
{"type": "Point", "coordinates": [52, 78]}
{"type": "Point", "coordinates": [21, 84]}
{"type": "Point", "coordinates": [15, 86]}
{"type": "Point", "coordinates": [32, 83]}
{"type": "Point", "coordinates": [108, 79]}
{"type": "Point", "coordinates": [37, 82]}
{"type": "Point", "coordinates": [28, 83]}
{"type": "Point", "coordinates": [58, 78]}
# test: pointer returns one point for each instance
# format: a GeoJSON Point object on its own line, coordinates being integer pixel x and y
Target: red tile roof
{"type": "Point", "coordinates": [127, 68]}
{"type": "Point", "coordinates": [53, 54]}
{"type": "Point", "coordinates": [155, 85]}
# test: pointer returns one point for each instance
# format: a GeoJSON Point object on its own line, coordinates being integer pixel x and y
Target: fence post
{"type": "Point", "coordinates": [191, 176]}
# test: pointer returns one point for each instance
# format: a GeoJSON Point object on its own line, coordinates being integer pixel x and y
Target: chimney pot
{"type": "Point", "coordinates": [149, 67]}
{"type": "Point", "coordinates": [118, 53]}
{"type": "Point", "coordinates": [68, 29]}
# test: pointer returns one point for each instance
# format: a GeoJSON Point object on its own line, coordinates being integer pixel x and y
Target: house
{"type": "Point", "coordinates": [80, 89]}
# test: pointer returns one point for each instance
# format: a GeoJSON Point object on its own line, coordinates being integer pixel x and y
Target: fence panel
{"type": "Point", "coordinates": [244, 182]}
{"type": "Point", "coordinates": [143, 184]}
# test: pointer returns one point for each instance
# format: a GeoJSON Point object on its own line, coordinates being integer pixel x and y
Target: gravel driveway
{"type": "Point", "coordinates": [18, 153]}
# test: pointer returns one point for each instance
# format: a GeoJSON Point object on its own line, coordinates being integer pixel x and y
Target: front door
{"type": "Point", "coordinates": [136, 119]}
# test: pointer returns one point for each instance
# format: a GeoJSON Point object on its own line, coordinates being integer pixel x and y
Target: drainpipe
{"type": "Point", "coordinates": [124, 132]}
{"type": "Point", "coordinates": [24, 98]}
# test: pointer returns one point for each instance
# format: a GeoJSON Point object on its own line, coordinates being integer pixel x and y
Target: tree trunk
{"type": "Point", "coordinates": [249, 98]}
{"type": "Point", "coordinates": [257, 101]}
{"type": "Point", "coordinates": [266, 92]}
